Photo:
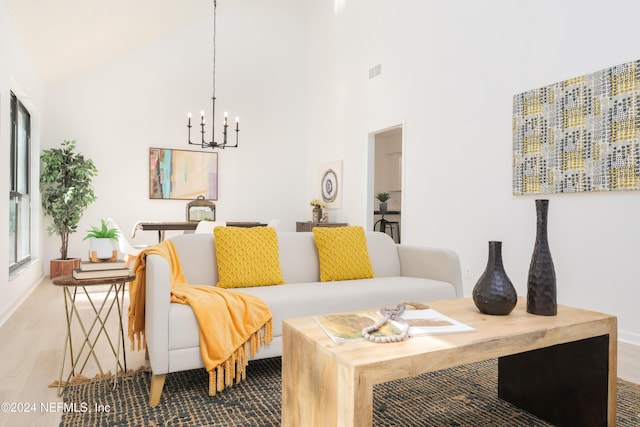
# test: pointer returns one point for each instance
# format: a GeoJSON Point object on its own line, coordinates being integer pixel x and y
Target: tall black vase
{"type": "Point", "coordinates": [494, 293]}
{"type": "Point", "coordinates": [541, 285]}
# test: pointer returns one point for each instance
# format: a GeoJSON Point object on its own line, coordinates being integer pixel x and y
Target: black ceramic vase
{"type": "Point", "coordinates": [494, 293]}
{"type": "Point", "coordinates": [541, 285]}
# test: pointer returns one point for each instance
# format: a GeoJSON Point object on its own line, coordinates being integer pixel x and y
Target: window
{"type": "Point", "coordinates": [19, 193]}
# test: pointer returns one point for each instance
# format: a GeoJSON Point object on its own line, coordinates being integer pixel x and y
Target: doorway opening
{"type": "Point", "coordinates": [386, 177]}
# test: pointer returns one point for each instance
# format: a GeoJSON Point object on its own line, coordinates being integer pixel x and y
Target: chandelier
{"type": "Point", "coordinates": [225, 124]}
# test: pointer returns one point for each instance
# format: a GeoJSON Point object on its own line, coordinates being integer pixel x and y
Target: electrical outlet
{"type": "Point", "coordinates": [467, 273]}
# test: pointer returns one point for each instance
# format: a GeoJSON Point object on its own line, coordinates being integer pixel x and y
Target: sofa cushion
{"type": "Point", "coordinates": [383, 253]}
{"type": "Point", "coordinates": [192, 250]}
{"type": "Point", "coordinates": [297, 251]}
{"type": "Point", "coordinates": [343, 253]}
{"type": "Point", "coordinates": [247, 257]}
{"type": "Point", "coordinates": [298, 257]}
{"type": "Point", "coordinates": [311, 299]}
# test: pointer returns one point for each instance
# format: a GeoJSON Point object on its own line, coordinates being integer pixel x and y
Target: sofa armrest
{"type": "Point", "coordinates": [157, 301]}
{"type": "Point", "coordinates": [431, 263]}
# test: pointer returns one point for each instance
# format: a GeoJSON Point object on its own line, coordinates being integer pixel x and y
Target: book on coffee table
{"type": "Point", "coordinates": [348, 326]}
{"type": "Point", "coordinates": [343, 327]}
{"type": "Point", "coordinates": [432, 322]}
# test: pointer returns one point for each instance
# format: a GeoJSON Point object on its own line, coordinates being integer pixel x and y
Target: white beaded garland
{"type": "Point", "coordinates": [389, 314]}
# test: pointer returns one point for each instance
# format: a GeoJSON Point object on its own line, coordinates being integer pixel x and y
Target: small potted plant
{"type": "Point", "coordinates": [102, 241]}
{"type": "Point", "coordinates": [316, 212]}
{"type": "Point", "coordinates": [66, 190]}
{"type": "Point", "coordinates": [383, 197]}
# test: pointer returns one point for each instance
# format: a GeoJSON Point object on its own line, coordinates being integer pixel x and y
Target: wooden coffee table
{"type": "Point", "coordinates": [560, 368]}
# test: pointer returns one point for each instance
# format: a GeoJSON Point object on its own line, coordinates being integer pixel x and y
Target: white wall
{"type": "Point", "coordinates": [17, 75]}
{"type": "Point", "coordinates": [450, 70]}
{"type": "Point", "coordinates": [297, 74]}
{"type": "Point", "coordinates": [116, 112]}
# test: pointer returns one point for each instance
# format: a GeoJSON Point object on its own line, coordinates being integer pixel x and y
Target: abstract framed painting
{"type": "Point", "coordinates": [579, 135]}
{"type": "Point", "coordinates": [182, 174]}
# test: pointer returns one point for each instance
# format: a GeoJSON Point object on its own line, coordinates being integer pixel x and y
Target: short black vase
{"type": "Point", "coordinates": [541, 285]}
{"type": "Point", "coordinates": [494, 293]}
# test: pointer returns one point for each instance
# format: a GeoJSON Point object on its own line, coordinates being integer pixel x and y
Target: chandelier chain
{"type": "Point", "coordinates": [213, 144]}
{"type": "Point", "coordinates": [215, 28]}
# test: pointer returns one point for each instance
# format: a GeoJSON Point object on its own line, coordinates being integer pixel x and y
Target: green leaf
{"type": "Point", "coordinates": [102, 232]}
{"type": "Point", "coordinates": [65, 189]}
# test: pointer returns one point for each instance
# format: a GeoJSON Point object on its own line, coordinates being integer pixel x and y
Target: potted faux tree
{"type": "Point", "coordinates": [383, 197]}
{"type": "Point", "coordinates": [66, 191]}
{"type": "Point", "coordinates": [102, 242]}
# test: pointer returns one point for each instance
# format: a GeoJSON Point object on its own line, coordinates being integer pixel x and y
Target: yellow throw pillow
{"type": "Point", "coordinates": [247, 257]}
{"type": "Point", "coordinates": [343, 253]}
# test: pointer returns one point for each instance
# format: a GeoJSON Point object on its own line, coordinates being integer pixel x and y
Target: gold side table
{"type": "Point", "coordinates": [101, 310]}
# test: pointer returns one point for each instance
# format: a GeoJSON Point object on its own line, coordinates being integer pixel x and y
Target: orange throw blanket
{"type": "Point", "coordinates": [232, 325]}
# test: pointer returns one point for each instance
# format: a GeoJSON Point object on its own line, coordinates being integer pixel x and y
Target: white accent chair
{"type": "Point", "coordinates": [208, 226]}
{"type": "Point", "coordinates": [129, 251]}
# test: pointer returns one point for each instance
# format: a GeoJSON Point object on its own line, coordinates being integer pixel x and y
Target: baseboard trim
{"type": "Point", "coordinates": [628, 361]}
{"type": "Point", "coordinates": [629, 338]}
{"type": "Point", "coordinates": [6, 314]}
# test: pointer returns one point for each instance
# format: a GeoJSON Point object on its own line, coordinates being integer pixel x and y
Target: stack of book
{"type": "Point", "coordinates": [99, 270]}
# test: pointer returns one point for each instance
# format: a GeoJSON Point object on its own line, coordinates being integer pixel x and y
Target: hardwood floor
{"type": "Point", "coordinates": [31, 352]}
{"type": "Point", "coordinates": [629, 362]}
{"type": "Point", "coordinates": [32, 341]}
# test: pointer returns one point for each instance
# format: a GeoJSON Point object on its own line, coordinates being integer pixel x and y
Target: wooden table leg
{"type": "Point", "coordinates": [354, 399]}
{"type": "Point", "coordinates": [317, 390]}
{"type": "Point", "coordinates": [567, 384]}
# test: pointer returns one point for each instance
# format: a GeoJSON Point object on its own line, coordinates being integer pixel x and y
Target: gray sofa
{"type": "Point", "coordinates": [402, 273]}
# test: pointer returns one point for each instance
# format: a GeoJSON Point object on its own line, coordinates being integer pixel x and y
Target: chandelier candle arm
{"type": "Point", "coordinates": [203, 142]}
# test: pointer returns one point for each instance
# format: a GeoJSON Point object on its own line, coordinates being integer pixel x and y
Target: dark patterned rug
{"type": "Point", "coordinates": [463, 396]}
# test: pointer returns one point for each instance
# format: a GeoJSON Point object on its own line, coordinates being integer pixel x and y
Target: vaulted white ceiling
{"type": "Point", "coordinates": [67, 37]}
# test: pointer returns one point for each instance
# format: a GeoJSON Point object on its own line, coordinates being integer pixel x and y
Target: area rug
{"type": "Point", "coordinates": [463, 396]}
